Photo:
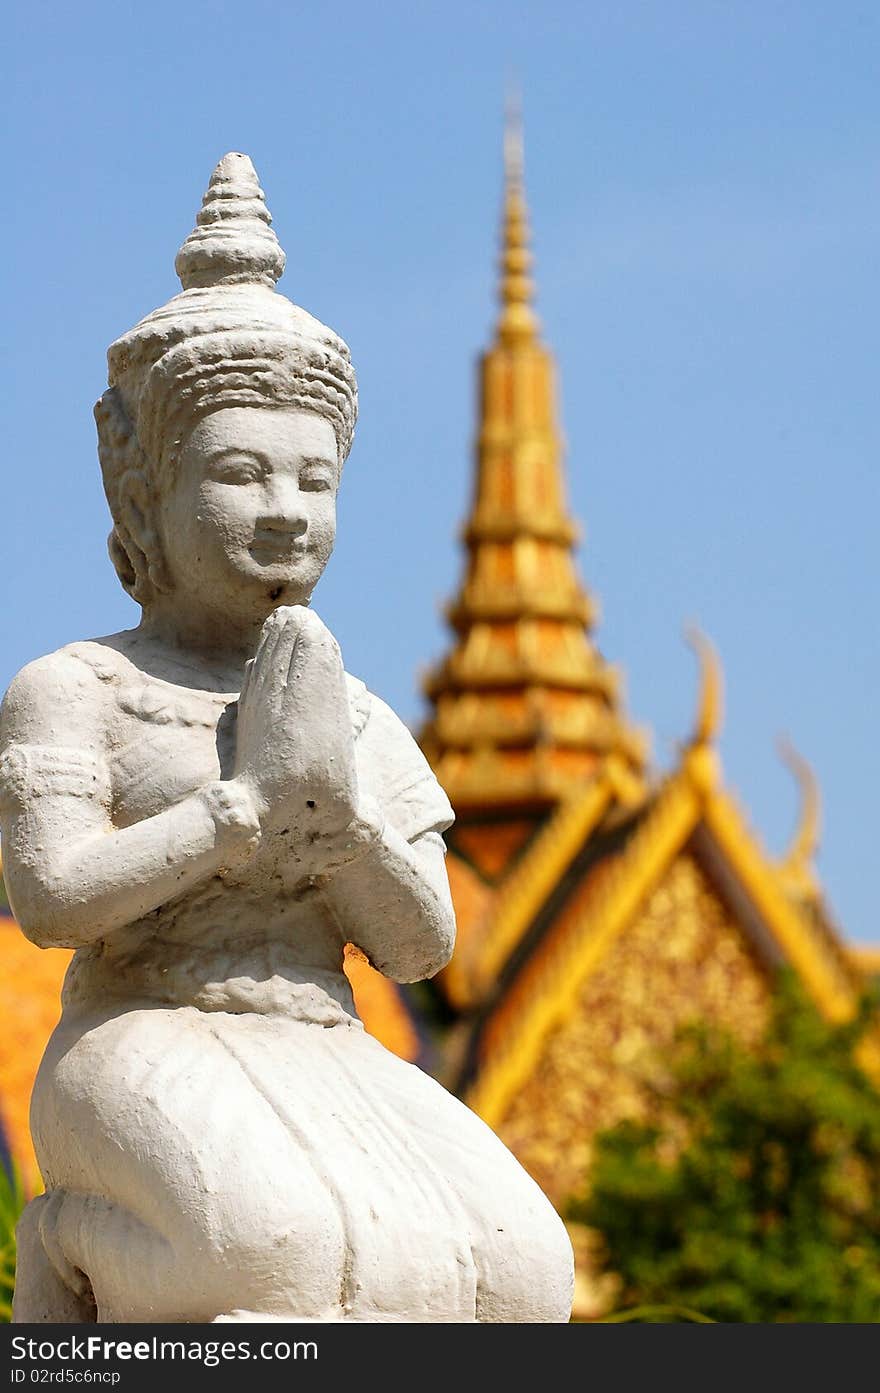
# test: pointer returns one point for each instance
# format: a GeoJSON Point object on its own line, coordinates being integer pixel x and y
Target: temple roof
{"type": "Point", "coordinates": [560, 834]}
{"type": "Point", "coordinates": [585, 878]}
{"type": "Point", "coordinates": [524, 706]}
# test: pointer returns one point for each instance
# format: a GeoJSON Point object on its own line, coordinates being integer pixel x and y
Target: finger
{"type": "Point", "coordinates": [291, 614]}
{"type": "Point", "coordinates": [314, 624]}
{"type": "Point", "coordinates": [245, 682]}
{"type": "Point", "coordinates": [272, 622]}
{"type": "Point", "coordinates": [268, 634]}
{"type": "Point", "coordinates": [285, 653]}
{"type": "Point", "coordinates": [316, 643]}
{"type": "Point", "coordinates": [296, 618]}
{"type": "Point", "coordinates": [290, 674]}
{"type": "Point", "coordinates": [316, 676]}
{"type": "Point", "coordinates": [304, 625]}
{"type": "Point", "coordinates": [264, 658]}
{"type": "Point", "coordinates": [272, 659]}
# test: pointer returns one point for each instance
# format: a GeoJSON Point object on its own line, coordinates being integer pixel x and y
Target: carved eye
{"type": "Point", "coordinates": [236, 469]}
{"type": "Point", "coordinates": [316, 479]}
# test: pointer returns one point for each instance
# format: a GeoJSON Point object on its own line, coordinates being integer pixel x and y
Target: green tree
{"type": "Point", "coordinates": [756, 1196]}
{"type": "Point", "coordinates": [12, 1201]}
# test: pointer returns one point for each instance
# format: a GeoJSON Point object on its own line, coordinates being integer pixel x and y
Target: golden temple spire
{"type": "Point", "coordinates": [525, 708]}
{"type": "Point", "coordinates": [517, 321]}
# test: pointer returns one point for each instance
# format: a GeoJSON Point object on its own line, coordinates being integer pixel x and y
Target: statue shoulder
{"type": "Point", "coordinates": [393, 769]}
{"type": "Point", "coordinates": [60, 696]}
{"type": "Point", "coordinates": [380, 731]}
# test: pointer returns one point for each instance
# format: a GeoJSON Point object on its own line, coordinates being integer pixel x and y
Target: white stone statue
{"type": "Point", "coordinates": [208, 808]}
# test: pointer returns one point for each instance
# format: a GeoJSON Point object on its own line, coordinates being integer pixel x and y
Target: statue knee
{"type": "Point", "coordinates": [48, 1289]}
{"type": "Point", "coordinates": [283, 1261]}
{"type": "Point", "coordinates": [528, 1274]}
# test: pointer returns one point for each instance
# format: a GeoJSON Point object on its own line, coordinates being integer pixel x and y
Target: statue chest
{"type": "Point", "coordinates": [165, 744]}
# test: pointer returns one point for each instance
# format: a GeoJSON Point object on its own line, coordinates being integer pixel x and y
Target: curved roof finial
{"type": "Point", "coordinates": [798, 859]}
{"type": "Point", "coordinates": [710, 710]}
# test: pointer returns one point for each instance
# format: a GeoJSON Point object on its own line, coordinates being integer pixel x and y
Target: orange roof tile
{"type": "Point", "coordinates": [381, 1007]}
{"type": "Point", "coordinates": [30, 991]}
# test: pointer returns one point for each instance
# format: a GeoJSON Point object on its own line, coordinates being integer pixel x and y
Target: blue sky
{"type": "Point", "coordinates": [704, 180]}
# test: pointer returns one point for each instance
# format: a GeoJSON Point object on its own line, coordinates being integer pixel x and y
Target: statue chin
{"type": "Point", "coordinates": [221, 1139]}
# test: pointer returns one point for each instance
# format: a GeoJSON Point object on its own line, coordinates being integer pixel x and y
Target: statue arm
{"type": "Point", "coordinates": [72, 877]}
{"type": "Point", "coordinates": [393, 901]}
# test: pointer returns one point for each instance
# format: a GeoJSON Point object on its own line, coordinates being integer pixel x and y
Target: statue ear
{"type": "Point", "coordinates": [137, 522]}
{"type": "Point", "coordinates": [134, 545]}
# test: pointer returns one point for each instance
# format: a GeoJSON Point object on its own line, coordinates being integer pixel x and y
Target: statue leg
{"type": "Point", "coordinates": [521, 1252]}
{"type": "Point", "coordinates": [47, 1289]}
{"type": "Point", "coordinates": [520, 1247]}
{"type": "Point", "coordinates": [529, 1279]}
{"type": "Point", "coordinates": [87, 1258]}
{"type": "Point", "coordinates": [203, 1200]}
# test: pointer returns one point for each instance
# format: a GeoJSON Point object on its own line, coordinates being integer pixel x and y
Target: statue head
{"type": "Point", "coordinates": [228, 417]}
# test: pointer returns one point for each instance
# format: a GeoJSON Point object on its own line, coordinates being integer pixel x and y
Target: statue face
{"type": "Point", "coordinates": [250, 519]}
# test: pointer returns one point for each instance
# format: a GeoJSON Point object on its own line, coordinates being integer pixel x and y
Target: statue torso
{"type": "Point", "coordinates": [257, 936]}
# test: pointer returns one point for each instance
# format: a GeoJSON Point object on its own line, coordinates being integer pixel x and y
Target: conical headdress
{"type": "Point", "coordinates": [229, 339]}
{"type": "Point", "coordinates": [232, 242]}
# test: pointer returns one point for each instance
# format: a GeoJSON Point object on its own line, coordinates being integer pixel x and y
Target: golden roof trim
{"type": "Point", "coordinates": [653, 845]}
{"type": "Point", "coordinates": [531, 881]}
{"type": "Point", "coordinates": [865, 957]}
{"type": "Point", "coordinates": [710, 706]}
{"type": "Point", "coordinates": [826, 979]}
{"type": "Point", "coordinates": [829, 978]}
{"type": "Point", "coordinates": [686, 799]}
{"type": "Point", "coordinates": [796, 866]}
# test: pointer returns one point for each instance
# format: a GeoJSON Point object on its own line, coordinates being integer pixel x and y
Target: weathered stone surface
{"type": "Point", "coordinates": [208, 808]}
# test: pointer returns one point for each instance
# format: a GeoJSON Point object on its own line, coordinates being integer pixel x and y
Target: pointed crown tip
{"type": "Point", "coordinates": [235, 165]}
{"type": "Point", "coordinates": [232, 242]}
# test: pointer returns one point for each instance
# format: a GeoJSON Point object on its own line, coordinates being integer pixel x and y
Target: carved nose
{"type": "Point", "coordinates": [285, 511]}
{"type": "Point", "coordinates": [294, 524]}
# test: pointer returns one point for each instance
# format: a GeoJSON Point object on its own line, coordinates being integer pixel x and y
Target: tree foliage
{"type": "Point", "coordinates": [756, 1196]}
{"type": "Point", "coordinates": [12, 1201]}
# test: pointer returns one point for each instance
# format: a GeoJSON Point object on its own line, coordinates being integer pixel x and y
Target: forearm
{"type": "Point", "coordinates": [106, 879]}
{"type": "Point", "coordinates": [392, 900]}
